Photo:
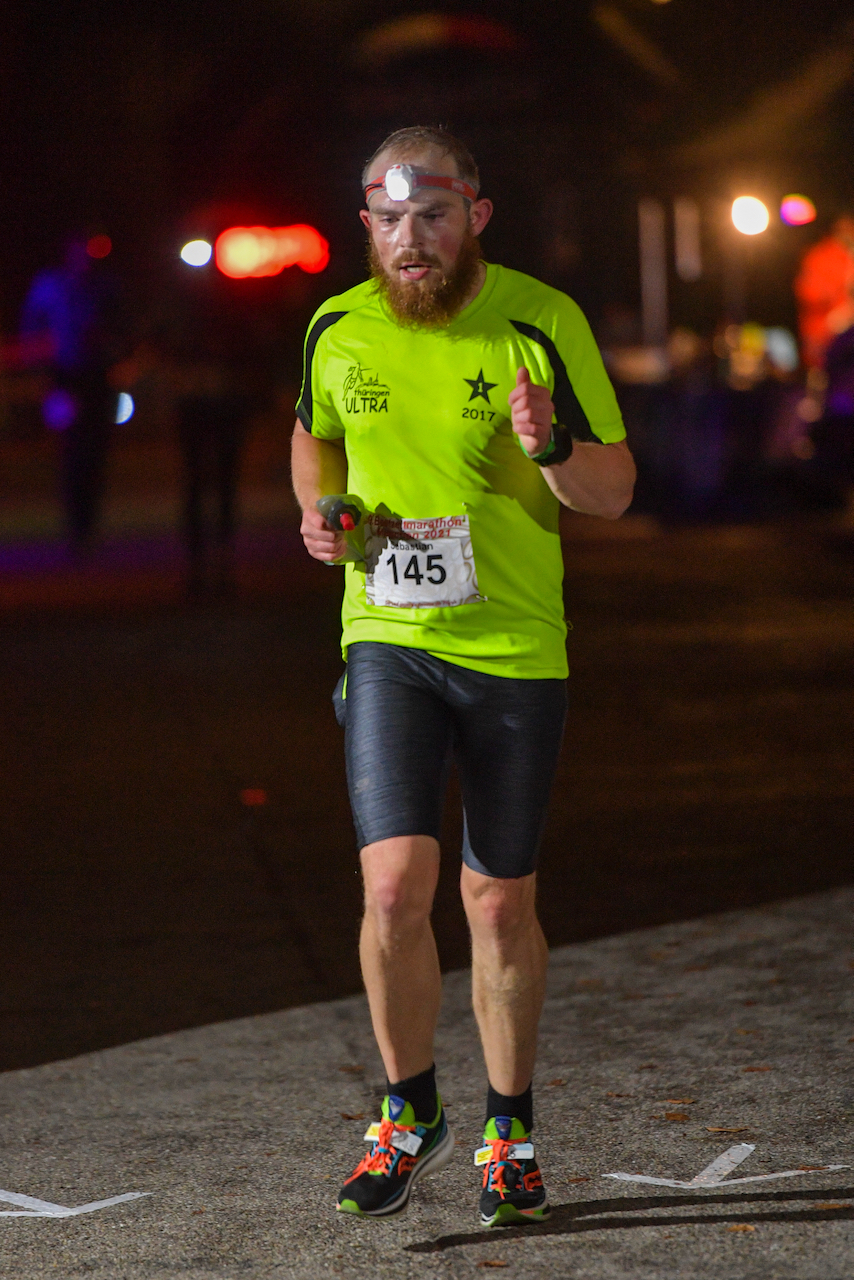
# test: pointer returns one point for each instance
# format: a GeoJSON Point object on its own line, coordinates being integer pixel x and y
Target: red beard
{"type": "Point", "coordinates": [428, 304]}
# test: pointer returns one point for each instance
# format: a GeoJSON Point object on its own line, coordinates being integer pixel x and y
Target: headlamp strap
{"type": "Point", "coordinates": [407, 178]}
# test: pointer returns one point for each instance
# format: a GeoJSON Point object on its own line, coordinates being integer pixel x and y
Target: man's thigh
{"type": "Point", "coordinates": [508, 736]}
{"type": "Point", "coordinates": [397, 742]}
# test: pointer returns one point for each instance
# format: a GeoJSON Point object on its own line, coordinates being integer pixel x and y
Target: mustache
{"type": "Point", "coordinates": [403, 259]}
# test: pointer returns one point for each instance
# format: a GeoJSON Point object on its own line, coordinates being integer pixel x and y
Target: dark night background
{"type": "Point", "coordinates": [137, 118]}
{"type": "Point", "coordinates": [708, 760]}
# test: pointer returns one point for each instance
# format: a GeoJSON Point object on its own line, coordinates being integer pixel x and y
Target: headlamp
{"type": "Point", "coordinates": [401, 180]}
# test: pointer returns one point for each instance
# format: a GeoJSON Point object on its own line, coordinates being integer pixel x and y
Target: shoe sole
{"type": "Point", "coordinates": [432, 1163]}
{"type": "Point", "coordinates": [507, 1214]}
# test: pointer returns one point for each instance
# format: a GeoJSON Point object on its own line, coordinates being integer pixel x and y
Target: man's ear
{"type": "Point", "coordinates": [479, 215]}
{"type": "Point", "coordinates": [365, 215]}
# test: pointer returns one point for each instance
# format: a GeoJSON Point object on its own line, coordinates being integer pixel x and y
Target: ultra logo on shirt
{"type": "Point", "coordinates": [363, 394]}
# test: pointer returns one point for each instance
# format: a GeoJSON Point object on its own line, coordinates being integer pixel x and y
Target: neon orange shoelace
{"type": "Point", "coordinates": [500, 1154]}
{"type": "Point", "coordinates": [381, 1156]}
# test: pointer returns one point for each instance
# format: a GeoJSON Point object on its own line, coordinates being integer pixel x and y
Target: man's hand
{"type": "Point", "coordinates": [531, 413]}
{"type": "Point", "coordinates": [321, 541]}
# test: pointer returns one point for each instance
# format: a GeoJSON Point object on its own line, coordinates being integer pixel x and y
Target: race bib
{"type": "Point", "coordinates": [419, 564]}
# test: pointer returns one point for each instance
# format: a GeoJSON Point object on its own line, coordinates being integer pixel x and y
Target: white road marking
{"type": "Point", "coordinates": [30, 1207]}
{"type": "Point", "coordinates": [715, 1173]}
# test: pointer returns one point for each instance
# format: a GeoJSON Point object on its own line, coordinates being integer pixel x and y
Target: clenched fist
{"type": "Point", "coordinates": [321, 541]}
{"type": "Point", "coordinates": [531, 413]}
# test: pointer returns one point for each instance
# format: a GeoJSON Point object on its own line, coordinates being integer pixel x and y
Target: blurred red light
{"type": "Point", "coordinates": [99, 246]}
{"type": "Point", "coordinates": [244, 252]}
{"type": "Point", "coordinates": [253, 797]}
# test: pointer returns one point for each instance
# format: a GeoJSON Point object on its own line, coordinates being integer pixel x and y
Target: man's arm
{"type": "Point", "coordinates": [598, 479]}
{"type": "Point", "coordinates": [318, 467]}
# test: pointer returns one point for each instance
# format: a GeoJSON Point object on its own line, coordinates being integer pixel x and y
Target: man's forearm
{"type": "Point", "coordinates": [597, 479]}
{"type": "Point", "coordinates": [318, 467]}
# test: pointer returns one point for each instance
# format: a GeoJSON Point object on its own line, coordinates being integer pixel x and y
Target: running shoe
{"type": "Point", "coordinates": [402, 1151]}
{"type": "Point", "coordinates": [513, 1188]}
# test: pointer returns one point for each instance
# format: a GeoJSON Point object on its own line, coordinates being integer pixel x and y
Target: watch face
{"type": "Point", "coordinates": [399, 182]}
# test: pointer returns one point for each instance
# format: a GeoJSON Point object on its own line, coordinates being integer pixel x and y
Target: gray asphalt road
{"type": "Point", "coordinates": [660, 1049]}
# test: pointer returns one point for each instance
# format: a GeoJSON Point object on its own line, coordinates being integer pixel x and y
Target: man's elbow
{"type": "Point", "coordinates": [619, 499]}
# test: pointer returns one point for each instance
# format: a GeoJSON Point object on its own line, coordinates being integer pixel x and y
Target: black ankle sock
{"type": "Point", "coordinates": [420, 1092]}
{"type": "Point", "coordinates": [521, 1107]}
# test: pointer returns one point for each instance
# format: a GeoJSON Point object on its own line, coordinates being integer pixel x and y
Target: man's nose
{"type": "Point", "coordinates": [409, 231]}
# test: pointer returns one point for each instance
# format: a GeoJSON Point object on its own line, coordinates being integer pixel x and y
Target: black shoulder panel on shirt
{"type": "Point", "coordinates": [568, 410]}
{"type": "Point", "coordinates": [306, 400]}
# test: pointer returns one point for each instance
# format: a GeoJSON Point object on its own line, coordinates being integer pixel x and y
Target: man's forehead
{"type": "Point", "coordinates": [424, 160]}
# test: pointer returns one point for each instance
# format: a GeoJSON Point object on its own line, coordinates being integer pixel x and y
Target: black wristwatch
{"type": "Point", "coordinates": [557, 450]}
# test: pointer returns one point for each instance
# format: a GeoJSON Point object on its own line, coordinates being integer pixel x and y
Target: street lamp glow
{"type": "Point", "coordinates": [749, 215]}
{"type": "Point", "coordinates": [197, 253]}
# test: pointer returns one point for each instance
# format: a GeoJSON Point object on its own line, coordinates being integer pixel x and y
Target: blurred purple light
{"type": "Point", "coordinates": [797, 211]}
{"type": "Point", "coordinates": [59, 409]}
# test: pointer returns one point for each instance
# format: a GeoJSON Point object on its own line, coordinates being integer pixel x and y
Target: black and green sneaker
{"type": "Point", "coordinates": [402, 1151]}
{"type": "Point", "coordinates": [513, 1188]}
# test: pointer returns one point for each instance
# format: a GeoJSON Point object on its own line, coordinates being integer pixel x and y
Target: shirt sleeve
{"type": "Point", "coordinates": [586, 374]}
{"type": "Point", "coordinates": [315, 409]}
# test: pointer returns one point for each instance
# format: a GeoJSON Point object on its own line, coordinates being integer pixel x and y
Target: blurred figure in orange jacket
{"type": "Point", "coordinates": [825, 291]}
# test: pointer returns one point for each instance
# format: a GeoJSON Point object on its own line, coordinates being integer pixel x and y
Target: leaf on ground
{"type": "Point", "coordinates": [357, 1115]}
{"type": "Point", "coordinates": [714, 1128]}
{"type": "Point", "coordinates": [555, 1084]}
{"type": "Point", "coordinates": [580, 1179]}
{"type": "Point", "coordinates": [648, 1066]}
{"type": "Point", "coordinates": [493, 1262]}
{"type": "Point", "coordinates": [352, 1071]}
{"type": "Point", "coordinates": [609, 1094]}
{"type": "Point", "coordinates": [748, 1004]}
{"type": "Point", "coordinates": [741, 1226]}
{"type": "Point", "coordinates": [811, 1168]}
{"type": "Point", "coordinates": [684, 1102]}
{"type": "Point", "coordinates": [832, 1204]}
{"type": "Point", "coordinates": [676, 1115]}
{"type": "Point", "coordinates": [756, 1068]}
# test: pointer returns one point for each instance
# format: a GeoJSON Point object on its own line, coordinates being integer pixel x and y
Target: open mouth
{"type": "Point", "coordinates": [414, 270]}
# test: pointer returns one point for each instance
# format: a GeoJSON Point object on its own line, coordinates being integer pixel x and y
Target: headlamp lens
{"type": "Point", "coordinates": [399, 182]}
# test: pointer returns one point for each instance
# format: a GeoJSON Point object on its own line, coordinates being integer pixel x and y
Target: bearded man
{"type": "Point", "coordinates": [460, 403]}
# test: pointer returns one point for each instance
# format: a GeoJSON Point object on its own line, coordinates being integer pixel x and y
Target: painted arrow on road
{"type": "Point", "coordinates": [30, 1207]}
{"type": "Point", "coordinates": [715, 1173]}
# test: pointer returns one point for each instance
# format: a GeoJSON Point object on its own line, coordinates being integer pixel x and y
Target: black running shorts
{"type": "Point", "coordinates": [406, 714]}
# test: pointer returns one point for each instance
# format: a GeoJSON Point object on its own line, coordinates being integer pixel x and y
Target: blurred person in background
{"type": "Point", "coordinates": [72, 328]}
{"type": "Point", "coordinates": [213, 361]}
{"type": "Point", "coordinates": [825, 292]}
{"type": "Point", "coordinates": [824, 289]}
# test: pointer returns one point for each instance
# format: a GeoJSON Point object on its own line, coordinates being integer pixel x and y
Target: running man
{"type": "Point", "coordinates": [462, 403]}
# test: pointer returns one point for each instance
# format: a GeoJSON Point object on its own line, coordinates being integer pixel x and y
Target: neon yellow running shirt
{"type": "Point", "coordinates": [426, 428]}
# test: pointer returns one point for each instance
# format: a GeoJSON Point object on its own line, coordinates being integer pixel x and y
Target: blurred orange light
{"type": "Point", "coordinates": [99, 246]}
{"type": "Point", "coordinates": [243, 252]}
{"type": "Point", "coordinates": [797, 210]}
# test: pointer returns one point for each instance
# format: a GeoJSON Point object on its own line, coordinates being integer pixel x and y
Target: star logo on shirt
{"type": "Point", "coordinates": [480, 388]}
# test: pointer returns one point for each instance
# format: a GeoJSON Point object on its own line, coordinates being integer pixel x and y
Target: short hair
{"type": "Point", "coordinates": [415, 138]}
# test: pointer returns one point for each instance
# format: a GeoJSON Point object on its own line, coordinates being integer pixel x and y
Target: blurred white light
{"type": "Point", "coordinates": [749, 215]}
{"type": "Point", "coordinates": [197, 253]}
{"type": "Point", "coordinates": [124, 408]}
{"type": "Point", "coordinates": [782, 348]}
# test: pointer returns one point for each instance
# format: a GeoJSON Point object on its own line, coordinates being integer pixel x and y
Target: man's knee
{"type": "Point", "coordinates": [399, 878]}
{"type": "Point", "coordinates": [495, 907]}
